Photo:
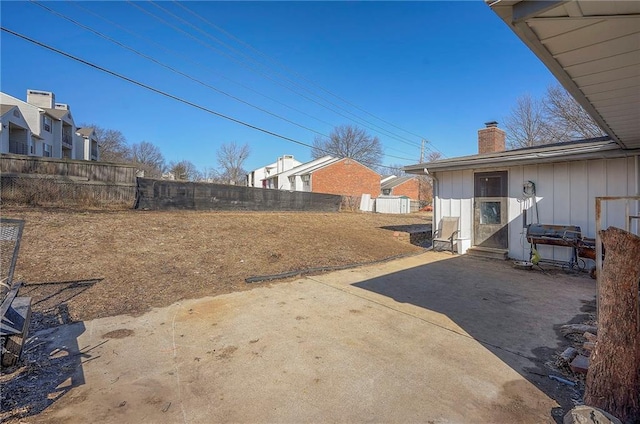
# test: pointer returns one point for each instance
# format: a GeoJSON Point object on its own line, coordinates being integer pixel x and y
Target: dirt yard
{"type": "Point", "coordinates": [84, 265]}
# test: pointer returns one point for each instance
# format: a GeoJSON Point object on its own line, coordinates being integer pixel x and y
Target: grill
{"type": "Point", "coordinates": [556, 235]}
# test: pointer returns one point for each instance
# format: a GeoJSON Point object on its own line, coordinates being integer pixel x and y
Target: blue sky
{"type": "Point", "coordinates": [401, 70]}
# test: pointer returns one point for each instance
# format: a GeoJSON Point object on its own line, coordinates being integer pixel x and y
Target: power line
{"type": "Point", "coordinates": [110, 39]}
{"type": "Point", "coordinates": [253, 69]}
{"type": "Point", "coordinates": [208, 68]}
{"type": "Point", "coordinates": [163, 93]}
{"type": "Point", "coordinates": [278, 73]}
{"type": "Point", "coordinates": [298, 75]}
{"type": "Point", "coordinates": [286, 69]}
{"type": "Point", "coordinates": [157, 62]}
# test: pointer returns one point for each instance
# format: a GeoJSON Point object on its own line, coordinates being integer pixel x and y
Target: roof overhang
{"type": "Point", "coordinates": [593, 49]}
{"type": "Point", "coordinates": [530, 156]}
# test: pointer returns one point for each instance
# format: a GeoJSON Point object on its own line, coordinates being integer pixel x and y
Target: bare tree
{"type": "Point", "coordinates": [568, 117]}
{"type": "Point", "coordinates": [555, 118]}
{"type": "Point", "coordinates": [349, 141]}
{"type": "Point", "coordinates": [392, 169]}
{"type": "Point", "coordinates": [148, 158]}
{"type": "Point", "coordinates": [434, 156]}
{"type": "Point", "coordinates": [184, 170]}
{"type": "Point", "coordinates": [231, 158]}
{"type": "Point", "coordinates": [112, 144]}
{"type": "Point", "coordinates": [425, 182]}
{"type": "Point", "coordinates": [527, 124]}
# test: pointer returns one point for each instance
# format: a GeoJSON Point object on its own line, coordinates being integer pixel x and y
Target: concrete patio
{"type": "Point", "coordinates": [433, 338]}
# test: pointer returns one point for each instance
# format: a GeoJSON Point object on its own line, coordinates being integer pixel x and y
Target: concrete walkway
{"type": "Point", "coordinates": [433, 339]}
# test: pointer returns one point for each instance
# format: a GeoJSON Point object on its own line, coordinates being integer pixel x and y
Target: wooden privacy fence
{"type": "Point", "coordinates": [166, 195]}
{"type": "Point", "coordinates": [45, 181]}
{"type": "Point", "coordinates": [78, 169]}
{"type": "Point", "coordinates": [71, 183]}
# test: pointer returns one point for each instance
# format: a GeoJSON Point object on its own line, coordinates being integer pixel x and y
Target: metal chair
{"type": "Point", "coordinates": [447, 232]}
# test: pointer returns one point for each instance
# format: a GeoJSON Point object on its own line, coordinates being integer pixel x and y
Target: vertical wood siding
{"type": "Point", "coordinates": [565, 194]}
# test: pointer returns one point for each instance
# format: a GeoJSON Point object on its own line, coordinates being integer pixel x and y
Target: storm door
{"type": "Point", "coordinates": [490, 221]}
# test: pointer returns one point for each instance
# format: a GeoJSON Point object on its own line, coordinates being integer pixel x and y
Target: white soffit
{"type": "Point", "coordinates": [593, 48]}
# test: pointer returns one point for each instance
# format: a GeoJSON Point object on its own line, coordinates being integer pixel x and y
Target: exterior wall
{"type": "Point", "coordinates": [14, 128]}
{"type": "Point", "coordinates": [56, 138]}
{"type": "Point", "coordinates": [81, 147]}
{"type": "Point", "coordinates": [410, 188]}
{"type": "Point", "coordinates": [31, 114]}
{"type": "Point", "coordinates": [346, 177]}
{"type": "Point", "coordinates": [565, 195]}
{"type": "Point", "coordinates": [255, 177]}
{"type": "Point", "coordinates": [34, 117]}
{"type": "Point", "coordinates": [300, 182]}
{"type": "Point", "coordinates": [454, 197]}
{"type": "Point", "coordinates": [283, 164]}
{"type": "Point", "coordinates": [281, 181]}
{"type": "Point", "coordinates": [4, 138]}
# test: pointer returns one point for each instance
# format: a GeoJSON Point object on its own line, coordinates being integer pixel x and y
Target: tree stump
{"type": "Point", "coordinates": [613, 380]}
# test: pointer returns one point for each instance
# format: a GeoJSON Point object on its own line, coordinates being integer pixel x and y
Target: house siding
{"type": "Point", "coordinates": [565, 195]}
{"type": "Point", "coordinates": [62, 124]}
{"type": "Point", "coordinates": [346, 177]}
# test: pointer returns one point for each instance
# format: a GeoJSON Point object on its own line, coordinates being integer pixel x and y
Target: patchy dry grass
{"type": "Point", "coordinates": [83, 265]}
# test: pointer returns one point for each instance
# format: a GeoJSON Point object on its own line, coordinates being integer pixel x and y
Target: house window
{"type": "Point", "coordinates": [47, 124]}
{"type": "Point", "coordinates": [386, 191]}
{"type": "Point", "coordinates": [46, 150]}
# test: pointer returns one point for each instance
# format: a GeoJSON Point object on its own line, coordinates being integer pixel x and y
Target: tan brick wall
{"type": "Point", "coordinates": [346, 177]}
{"type": "Point", "coordinates": [491, 140]}
{"type": "Point", "coordinates": [410, 188]}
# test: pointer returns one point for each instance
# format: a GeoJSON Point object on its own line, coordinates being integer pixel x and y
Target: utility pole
{"type": "Point", "coordinates": [420, 199]}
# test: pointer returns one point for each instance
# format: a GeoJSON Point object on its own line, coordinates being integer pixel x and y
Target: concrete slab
{"type": "Point", "coordinates": [433, 338]}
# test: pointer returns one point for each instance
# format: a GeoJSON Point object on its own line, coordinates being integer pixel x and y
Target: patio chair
{"type": "Point", "coordinates": [446, 233]}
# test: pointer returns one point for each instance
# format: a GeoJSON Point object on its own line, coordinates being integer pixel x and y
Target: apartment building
{"type": "Point", "coordinates": [41, 127]}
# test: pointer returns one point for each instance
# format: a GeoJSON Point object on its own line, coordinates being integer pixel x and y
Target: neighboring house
{"type": "Point", "coordinates": [330, 175]}
{"type": "Point", "coordinates": [345, 177]}
{"type": "Point", "coordinates": [258, 177]}
{"type": "Point", "coordinates": [87, 145]}
{"type": "Point", "coordinates": [407, 186]}
{"type": "Point", "coordinates": [15, 135]}
{"type": "Point", "coordinates": [51, 126]}
{"type": "Point", "coordinates": [286, 180]}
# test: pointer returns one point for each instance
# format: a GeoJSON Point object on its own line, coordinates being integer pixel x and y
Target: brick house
{"type": "Point", "coordinates": [345, 177]}
{"type": "Point", "coordinates": [407, 186]}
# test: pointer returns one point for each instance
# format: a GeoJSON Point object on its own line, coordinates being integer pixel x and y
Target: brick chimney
{"type": "Point", "coordinates": [491, 138]}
